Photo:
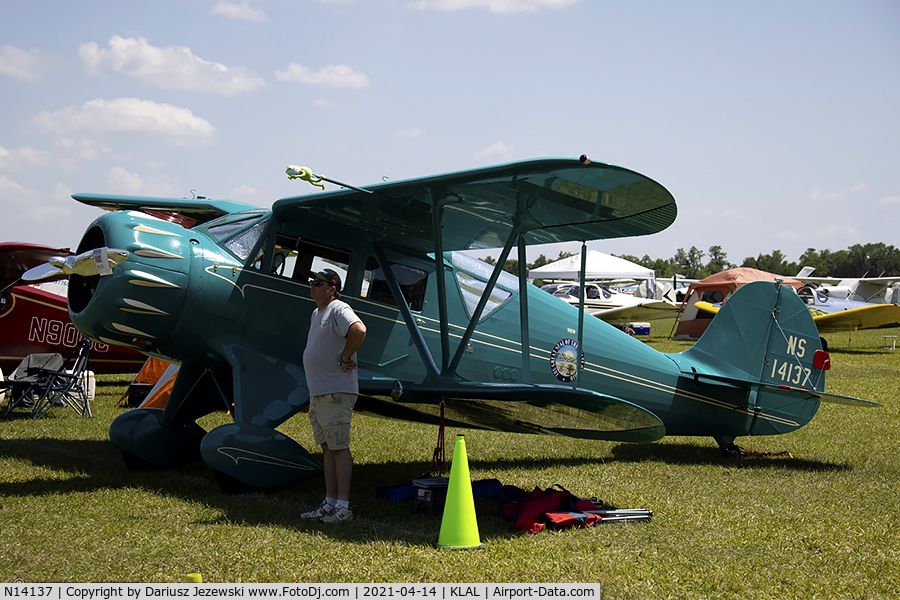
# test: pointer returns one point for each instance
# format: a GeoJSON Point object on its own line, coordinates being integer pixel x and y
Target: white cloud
{"type": "Point", "coordinates": [128, 115]}
{"type": "Point", "coordinates": [889, 201]}
{"type": "Point", "coordinates": [124, 182]}
{"type": "Point", "coordinates": [27, 201]}
{"type": "Point", "coordinates": [12, 160]}
{"type": "Point", "coordinates": [241, 12]}
{"type": "Point", "coordinates": [87, 148]}
{"type": "Point", "coordinates": [10, 189]}
{"type": "Point", "coordinates": [494, 6]}
{"type": "Point", "coordinates": [408, 133]}
{"type": "Point", "coordinates": [498, 152]}
{"type": "Point", "coordinates": [170, 68]}
{"type": "Point", "coordinates": [28, 65]}
{"type": "Point", "coordinates": [337, 76]}
{"type": "Point", "coordinates": [819, 195]}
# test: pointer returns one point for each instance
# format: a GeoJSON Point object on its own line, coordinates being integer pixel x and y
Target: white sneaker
{"type": "Point", "coordinates": [318, 512]}
{"type": "Point", "coordinates": [337, 515]}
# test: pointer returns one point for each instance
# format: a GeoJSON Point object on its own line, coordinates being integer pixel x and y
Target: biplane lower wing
{"type": "Point", "coordinates": [523, 408]}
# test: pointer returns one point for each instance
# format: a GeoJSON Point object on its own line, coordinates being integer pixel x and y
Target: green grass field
{"type": "Point", "coordinates": [822, 523]}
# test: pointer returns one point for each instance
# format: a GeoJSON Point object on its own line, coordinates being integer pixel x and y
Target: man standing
{"type": "Point", "coordinates": [335, 334]}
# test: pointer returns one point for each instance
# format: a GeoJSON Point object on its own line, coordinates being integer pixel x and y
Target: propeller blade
{"type": "Point", "coordinates": [41, 272]}
{"type": "Point", "coordinates": [99, 261]}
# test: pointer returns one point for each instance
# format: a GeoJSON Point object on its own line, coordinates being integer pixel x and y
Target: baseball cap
{"type": "Point", "coordinates": [329, 277]}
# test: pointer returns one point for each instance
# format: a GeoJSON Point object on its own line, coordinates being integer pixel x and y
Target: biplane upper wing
{"type": "Point", "coordinates": [548, 200]}
{"type": "Point", "coordinates": [188, 212]}
{"type": "Point", "coordinates": [864, 317]}
{"type": "Point", "coordinates": [16, 258]}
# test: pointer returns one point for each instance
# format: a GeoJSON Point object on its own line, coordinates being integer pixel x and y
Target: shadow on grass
{"type": "Point", "coordinates": [87, 466]}
{"type": "Point", "coordinates": [690, 454]}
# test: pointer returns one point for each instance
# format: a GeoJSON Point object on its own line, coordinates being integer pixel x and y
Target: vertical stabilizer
{"type": "Point", "coordinates": [763, 333]}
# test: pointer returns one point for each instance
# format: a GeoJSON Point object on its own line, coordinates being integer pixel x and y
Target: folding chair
{"type": "Point", "coordinates": [32, 371]}
{"type": "Point", "coordinates": [66, 388]}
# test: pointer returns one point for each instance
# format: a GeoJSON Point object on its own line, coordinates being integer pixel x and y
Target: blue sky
{"type": "Point", "coordinates": [774, 124]}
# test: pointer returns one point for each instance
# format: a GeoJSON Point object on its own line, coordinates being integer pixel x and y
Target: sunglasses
{"type": "Point", "coordinates": [317, 282]}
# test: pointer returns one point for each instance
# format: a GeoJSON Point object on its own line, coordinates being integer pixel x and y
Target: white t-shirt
{"type": "Point", "coordinates": [328, 329]}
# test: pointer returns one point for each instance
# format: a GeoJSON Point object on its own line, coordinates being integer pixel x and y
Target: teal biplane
{"type": "Point", "coordinates": [223, 289]}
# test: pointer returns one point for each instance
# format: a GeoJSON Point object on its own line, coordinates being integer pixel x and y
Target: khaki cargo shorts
{"type": "Point", "coordinates": [329, 416]}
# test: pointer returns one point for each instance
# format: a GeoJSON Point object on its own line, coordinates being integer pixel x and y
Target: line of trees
{"type": "Point", "coordinates": [860, 260]}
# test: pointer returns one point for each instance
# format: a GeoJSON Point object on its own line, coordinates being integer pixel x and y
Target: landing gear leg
{"type": "Point", "coordinates": [727, 446]}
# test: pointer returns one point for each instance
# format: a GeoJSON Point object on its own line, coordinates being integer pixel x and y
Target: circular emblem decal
{"type": "Point", "coordinates": [564, 360]}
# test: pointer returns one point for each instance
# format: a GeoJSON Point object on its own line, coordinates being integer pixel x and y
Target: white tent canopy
{"type": "Point", "coordinates": [599, 266]}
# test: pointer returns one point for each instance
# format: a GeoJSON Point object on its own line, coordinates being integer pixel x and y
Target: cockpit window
{"type": "Point", "coordinates": [242, 243]}
{"type": "Point", "coordinates": [412, 283]}
{"type": "Point", "coordinates": [295, 257]}
{"type": "Point", "coordinates": [480, 268]}
{"type": "Point", "coordinates": [224, 226]}
{"type": "Point", "coordinates": [473, 283]}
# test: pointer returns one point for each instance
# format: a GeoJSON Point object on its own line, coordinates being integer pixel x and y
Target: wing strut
{"type": "Point", "coordinates": [407, 315]}
{"type": "Point", "coordinates": [520, 224]}
{"type": "Point", "coordinates": [582, 290]}
{"type": "Point", "coordinates": [437, 210]}
{"type": "Point", "coordinates": [523, 310]}
{"type": "Point", "coordinates": [485, 295]}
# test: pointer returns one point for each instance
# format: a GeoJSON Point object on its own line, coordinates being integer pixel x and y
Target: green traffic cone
{"type": "Point", "coordinates": [459, 528]}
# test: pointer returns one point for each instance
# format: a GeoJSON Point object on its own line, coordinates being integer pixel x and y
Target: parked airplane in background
{"type": "Point", "coordinates": [841, 314]}
{"type": "Point", "coordinates": [225, 291]}
{"type": "Point", "coordinates": [874, 290]}
{"type": "Point", "coordinates": [616, 307]}
{"type": "Point", "coordinates": [844, 304]}
{"type": "Point", "coordinates": [34, 318]}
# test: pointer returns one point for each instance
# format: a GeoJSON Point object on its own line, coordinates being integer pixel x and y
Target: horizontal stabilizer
{"type": "Point", "coordinates": [822, 396]}
{"type": "Point", "coordinates": [832, 398]}
{"type": "Point", "coordinates": [545, 409]}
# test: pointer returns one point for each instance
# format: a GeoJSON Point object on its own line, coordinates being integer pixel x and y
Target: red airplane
{"type": "Point", "coordinates": [35, 318]}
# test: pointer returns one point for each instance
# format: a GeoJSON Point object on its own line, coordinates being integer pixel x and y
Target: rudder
{"type": "Point", "coordinates": [763, 333]}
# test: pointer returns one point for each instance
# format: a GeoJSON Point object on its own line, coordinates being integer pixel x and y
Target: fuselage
{"type": "Point", "coordinates": [820, 301]}
{"type": "Point", "coordinates": [238, 286]}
